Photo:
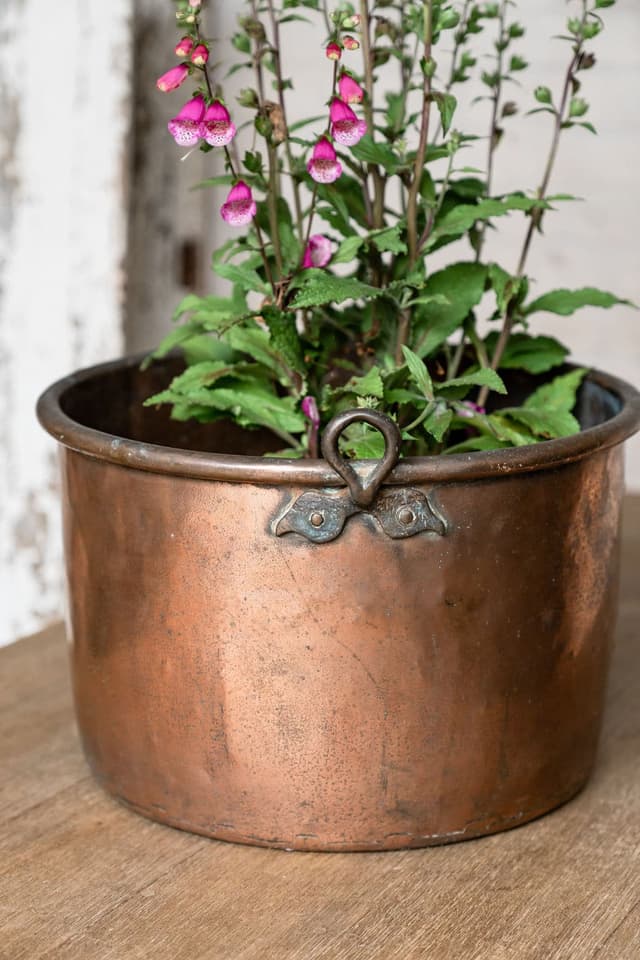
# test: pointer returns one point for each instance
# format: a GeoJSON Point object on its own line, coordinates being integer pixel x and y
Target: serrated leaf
{"type": "Point", "coordinates": [533, 354]}
{"type": "Point", "coordinates": [389, 240]}
{"type": "Point", "coordinates": [368, 151]}
{"type": "Point", "coordinates": [284, 337]}
{"type": "Point", "coordinates": [461, 218]}
{"type": "Point", "coordinates": [565, 302]}
{"type": "Point", "coordinates": [418, 371]}
{"type": "Point", "coordinates": [483, 377]}
{"type": "Point", "coordinates": [370, 385]}
{"type": "Point", "coordinates": [438, 422]}
{"type": "Point", "coordinates": [348, 249]}
{"type": "Point", "coordinates": [559, 394]}
{"type": "Point", "coordinates": [319, 288]}
{"type": "Point", "coordinates": [462, 287]}
{"type": "Point", "coordinates": [547, 424]}
{"type": "Point", "coordinates": [242, 274]}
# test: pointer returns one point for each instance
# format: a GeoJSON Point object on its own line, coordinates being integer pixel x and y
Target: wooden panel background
{"type": "Point", "coordinates": [100, 236]}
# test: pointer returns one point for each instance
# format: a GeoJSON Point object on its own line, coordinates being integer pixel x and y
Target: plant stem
{"type": "Point", "coordinates": [272, 191]}
{"type": "Point", "coordinates": [275, 26]}
{"type": "Point", "coordinates": [536, 215]}
{"type": "Point", "coordinates": [493, 130]}
{"type": "Point", "coordinates": [404, 322]}
{"type": "Point", "coordinates": [314, 194]}
{"type": "Point", "coordinates": [378, 180]}
{"type": "Point", "coordinates": [261, 243]}
{"type": "Point", "coordinates": [414, 189]}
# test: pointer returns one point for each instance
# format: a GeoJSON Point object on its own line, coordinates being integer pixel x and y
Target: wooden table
{"type": "Point", "coordinates": [81, 878]}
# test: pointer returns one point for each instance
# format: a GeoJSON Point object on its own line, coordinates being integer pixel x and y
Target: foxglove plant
{"type": "Point", "coordinates": [334, 302]}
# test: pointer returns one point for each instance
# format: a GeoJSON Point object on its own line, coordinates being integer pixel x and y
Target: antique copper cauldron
{"type": "Point", "coordinates": [308, 655]}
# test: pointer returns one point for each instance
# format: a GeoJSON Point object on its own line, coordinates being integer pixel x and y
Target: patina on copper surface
{"type": "Point", "coordinates": [365, 693]}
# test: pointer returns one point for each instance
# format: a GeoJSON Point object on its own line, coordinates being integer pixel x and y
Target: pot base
{"type": "Point", "coordinates": [311, 844]}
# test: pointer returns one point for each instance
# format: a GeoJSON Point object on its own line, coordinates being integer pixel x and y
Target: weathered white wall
{"type": "Point", "coordinates": [67, 151]}
{"type": "Point", "coordinates": [64, 121]}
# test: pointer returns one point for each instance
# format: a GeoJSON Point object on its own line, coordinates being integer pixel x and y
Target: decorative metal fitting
{"type": "Point", "coordinates": [401, 512]}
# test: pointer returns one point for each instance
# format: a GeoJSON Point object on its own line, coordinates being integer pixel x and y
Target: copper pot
{"type": "Point", "coordinates": [276, 653]}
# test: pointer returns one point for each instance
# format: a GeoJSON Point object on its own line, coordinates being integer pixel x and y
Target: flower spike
{"type": "Point", "coordinates": [240, 208]}
{"type": "Point", "coordinates": [216, 127]}
{"type": "Point", "coordinates": [185, 128]}
{"type": "Point", "coordinates": [345, 126]}
{"type": "Point", "coordinates": [324, 166]}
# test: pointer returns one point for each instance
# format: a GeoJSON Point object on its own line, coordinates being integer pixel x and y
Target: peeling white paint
{"type": "Point", "coordinates": [65, 82]}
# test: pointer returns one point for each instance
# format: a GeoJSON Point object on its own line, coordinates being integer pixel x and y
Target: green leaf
{"type": "Point", "coordinates": [533, 354]}
{"type": "Point", "coordinates": [484, 377]}
{"type": "Point", "coordinates": [438, 422]}
{"type": "Point", "coordinates": [514, 434]}
{"type": "Point", "coordinates": [284, 337]}
{"type": "Point", "coordinates": [362, 442]}
{"type": "Point", "coordinates": [559, 394]}
{"type": "Point", "coordinates": [505, 286]}
{"type": "Point", "coordinates": [319, 288]}
{"type": "Point", "coordinates": [446, 104]}
{"type": "Point", "coordinates": [460, 219]}
{"type": "Point", "coordinates": [419, 373]}
{"type": "Point", "coordinates": [370, 385]}
{"type": "Point", "coordinates": [484, 442]}
{"type": "Point", "coordinates": [461, 287]}
{"type": "Point", "coordinates": [256, 343]}
{"type": "Point", "coordinates": [547, 424]}
{"type": "Point", "coordinates": [242, 274]}
{"type": "Point", "coordinates": [368, 151]}
{"type": "Point", "coordinates": [566, 302]}
{"type": "Point", "coordinates": [389, 240]}
{"type": "Point", "coordinates": [348, 249]}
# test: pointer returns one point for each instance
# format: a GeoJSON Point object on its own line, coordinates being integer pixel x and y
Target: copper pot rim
{"type": "Point", "coordinates": [155, 458]}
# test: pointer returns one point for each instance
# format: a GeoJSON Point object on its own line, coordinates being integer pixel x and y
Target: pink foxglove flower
{"type": "Point", "coordinates": [317, 252]}
{"type": "Point", "coordinates": [239, 208]}
{"type": "Point", "coordinates": [350, 89]}
{"type": "Point", "coordinates": [185, 128]}
{"type": "Point", "coordinates": [216, 127]}
{"type": "Point", "coordinates": [350, 43]}
{"type": "Point", "coordinates": [172, 79]}
{"type": "Point", "coordinates": [195, 4]}
{"type": "Point", "coordinates": [324, 166]}
{"type": "Point", "coordinates": [200, 55]}
{"type": "Point", "coordinates": [345, 126]}
{"type": "Point", "coordinates": [184, 47]}
{"type": "Point", "coordinates": [333, 51]}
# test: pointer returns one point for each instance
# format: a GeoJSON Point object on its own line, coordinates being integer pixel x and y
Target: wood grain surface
{"type": "Point", "coordinates": [81, 878]}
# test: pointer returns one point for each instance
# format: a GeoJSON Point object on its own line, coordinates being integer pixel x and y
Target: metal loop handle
{"type": "Point", "coordinates": [363, 490]}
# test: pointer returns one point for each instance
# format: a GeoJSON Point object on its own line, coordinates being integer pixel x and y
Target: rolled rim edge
{"type": "Point", "coordinates": [154, 458]}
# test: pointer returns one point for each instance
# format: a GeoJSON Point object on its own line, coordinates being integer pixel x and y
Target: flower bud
{"type": "Point", "coordinates": [350, 43]}
{"type": "Point", "coordinates": [333, 51]}
{"type": "Point", "coordinates": [200, 55]}
{"type": "Point", "coordinates": [195, 4]}
{"type": "Point", "coordinates": [184, 47]}
{"type": "Point", "coordinates": [172, 79]}
{"type": "Point", "coordinates": [350, 23]}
